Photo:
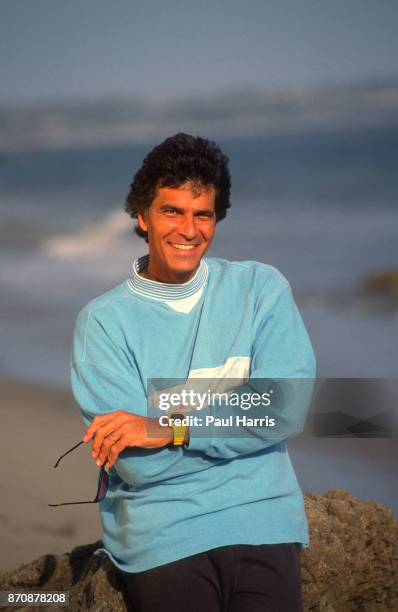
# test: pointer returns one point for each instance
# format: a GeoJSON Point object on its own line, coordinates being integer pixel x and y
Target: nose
{"type": "Point", "coordinates": [187, 227]}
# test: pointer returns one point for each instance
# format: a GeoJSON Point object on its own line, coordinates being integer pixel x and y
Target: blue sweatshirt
{"type": "Point", "coordinates": [231, 320]}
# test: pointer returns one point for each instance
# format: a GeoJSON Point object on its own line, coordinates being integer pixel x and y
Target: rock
{"type": "Point", "coordinates": [352, 562]}
{"type": "Point", "coordinates": [386, 282]}
{"type": "Point", "coordinates": [351, 565]}
{"type": "Point", "coordinates": [91, 580]}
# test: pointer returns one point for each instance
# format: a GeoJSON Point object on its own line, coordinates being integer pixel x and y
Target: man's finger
{"type": "Point", "coordinates": [116, 449]}
{"type": "Point", "coordinates": [103, 432]}
{"type": "Point", "coordinates": [97, 422]}
{"type": "Point", "coordinates": [105, 422]}
{"type": "Point", "coordinates": [108, 443]}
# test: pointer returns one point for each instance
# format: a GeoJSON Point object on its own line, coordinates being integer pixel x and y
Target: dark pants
{"type": "Point", "coordinates": [239, 578]}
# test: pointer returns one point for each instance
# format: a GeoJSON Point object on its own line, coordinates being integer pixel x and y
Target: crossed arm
{"type": "Point", "coordinates": [281, 350]}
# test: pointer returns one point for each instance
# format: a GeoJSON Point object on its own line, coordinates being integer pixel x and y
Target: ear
{"type": "Point", "coordinates": [142, 223]}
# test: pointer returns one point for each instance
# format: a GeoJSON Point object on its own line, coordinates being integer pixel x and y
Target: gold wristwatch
{"type": "Point", "coordinates": [179, 430]}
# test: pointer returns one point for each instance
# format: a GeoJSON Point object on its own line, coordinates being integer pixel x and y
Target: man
{"type": "Point", "coordinates": [194, 521]}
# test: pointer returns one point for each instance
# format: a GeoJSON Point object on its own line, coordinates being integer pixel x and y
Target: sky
{"type": "Point", "coordinates": [55, 50]}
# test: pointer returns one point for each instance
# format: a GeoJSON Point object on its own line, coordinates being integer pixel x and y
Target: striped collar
{"type": "Point", "coordinates": [165, 291]}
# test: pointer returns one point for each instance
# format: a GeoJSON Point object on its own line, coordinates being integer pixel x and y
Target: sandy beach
{"type": "Point", "coordinates": [40, 423]}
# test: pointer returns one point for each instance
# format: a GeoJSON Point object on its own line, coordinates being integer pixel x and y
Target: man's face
{"type": "Point", "coordinates": [180, 223]}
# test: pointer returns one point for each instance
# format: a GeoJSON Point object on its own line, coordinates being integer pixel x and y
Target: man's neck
{"type": "Point", "coordinates": [146, 273]}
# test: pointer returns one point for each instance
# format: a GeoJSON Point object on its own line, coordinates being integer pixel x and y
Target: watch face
{"type": "Point", "coordinates": [174, 416]}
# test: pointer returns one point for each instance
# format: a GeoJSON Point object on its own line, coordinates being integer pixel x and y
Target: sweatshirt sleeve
{"type": "Point", "coordinates": [104, 379]}
{"type": "Point", "coordinates": [282, 364]}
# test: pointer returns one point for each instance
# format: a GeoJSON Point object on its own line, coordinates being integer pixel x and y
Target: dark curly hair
{"type": "Point", "coordinates": [177, 160]}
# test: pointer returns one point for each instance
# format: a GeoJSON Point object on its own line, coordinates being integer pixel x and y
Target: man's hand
{"type": "Point", "coordinates": [115, 431]}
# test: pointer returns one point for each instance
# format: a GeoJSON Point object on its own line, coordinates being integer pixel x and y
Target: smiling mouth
{"type": "Point", "coordinates": [183, 247]}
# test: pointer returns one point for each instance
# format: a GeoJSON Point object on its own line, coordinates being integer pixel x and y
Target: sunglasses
{"type": "Point", "coordinates": [102, 488]}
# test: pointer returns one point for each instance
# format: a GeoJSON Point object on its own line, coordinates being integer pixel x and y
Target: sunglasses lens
{"type": "Point", "coordinates": [102, 485]}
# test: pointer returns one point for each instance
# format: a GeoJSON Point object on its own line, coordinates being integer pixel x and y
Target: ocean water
{"type": "Point", "coordinates": [322, 208]}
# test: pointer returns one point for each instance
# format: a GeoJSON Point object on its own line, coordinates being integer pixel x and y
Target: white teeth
{"type": "Point", "coordinates": [185, 247]}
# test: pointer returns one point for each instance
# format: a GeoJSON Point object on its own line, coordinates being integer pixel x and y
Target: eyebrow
{"type": "Point", "coordinates": [181, 210]}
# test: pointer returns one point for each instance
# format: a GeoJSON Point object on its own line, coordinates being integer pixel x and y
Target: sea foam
{"type": "Point", "coordinates": [91, 240]}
